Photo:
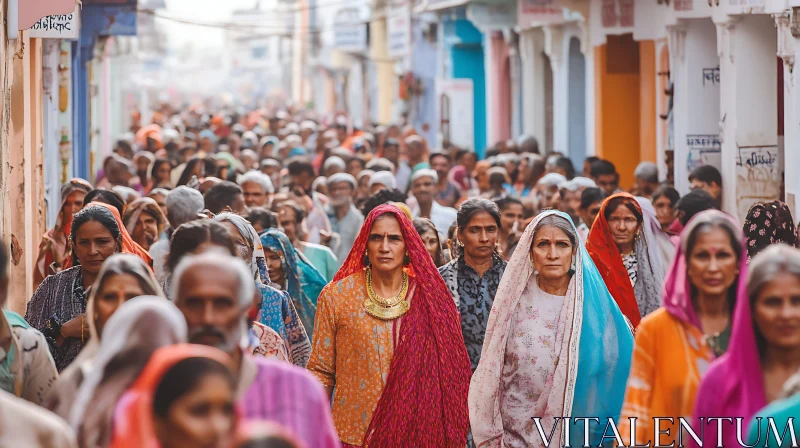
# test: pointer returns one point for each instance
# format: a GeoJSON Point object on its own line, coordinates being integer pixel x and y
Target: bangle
{"type": "Point", "coordinates": [82, 340]}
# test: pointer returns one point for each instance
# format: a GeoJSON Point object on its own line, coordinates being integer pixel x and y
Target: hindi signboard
{"type": "Point", "coordinates": [398, 23]}
{"type": "Point", "coordinates": [62, 26]}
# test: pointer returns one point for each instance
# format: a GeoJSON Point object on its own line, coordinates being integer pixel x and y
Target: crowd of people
{"type": "Point", "coordinates": [268, 280]}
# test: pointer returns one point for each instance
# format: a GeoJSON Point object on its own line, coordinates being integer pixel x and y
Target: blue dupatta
{"type": "Point", "coordinates": [589, 381]}
{"type": "Point", "coordinates": [303, 282]}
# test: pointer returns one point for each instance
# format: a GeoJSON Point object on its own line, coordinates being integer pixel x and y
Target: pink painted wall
{"type": "Point", "coordinates": [30, 11]}
{"type": "Point", "coordinates": [500, 106]}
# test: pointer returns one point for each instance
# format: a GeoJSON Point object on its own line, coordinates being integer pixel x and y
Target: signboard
{"type": "Point", "coordinates": [67, 26]}
{"type": "Point", "coordinates": [351, 38]}
{"type": "Point", "coordinates": [538, 12]}
{"type": "Point", "coordinates": [703, 150]}
{"type": "Point", "coordinates": [398, 23]}
{"type": "Point", "coordinates": [758, 177]}
{"type": "Point", "coordinates": [350, 31]}
{"type": "Point", "coordinates": [456, 111]}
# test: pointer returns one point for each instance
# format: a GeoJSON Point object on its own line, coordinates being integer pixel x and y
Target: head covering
{"type": "Point", "coordinates": [73, 185]}
{"type": "Point", "coordinates": [592, 369]}
{"type": "Point", "coordinates": [459, 177]}
{"type": "Point", "coordinates": [734, 384]}
{"type": "Point", "coordinates": [233, 162]}
{"type": "Point", "coordinates": [135, 209]}
{"type": "Point", "coordinates": [53, 248]}
{"type": "Point", "coordinates": [645, 297]}
{"type": "Point", "coordinates": [552, 179]}
{"type": "Point", "coordinates": [384, 178]}
{"type": "Point", "coordinates": [128, 245]}
{"type": "Point", "coordinates": [141, 325]}
{"type": "Point", "coordinates": [113, 263]}
{"type": "Point", "coordinates": [258, 263]}
{"type": "Point", "coordinates": [653, 232]}
{"type": "Point", "coordinates": [425, 172]}
{"type": "Point", "coordinates": [207, 134]}
{"type": "Point", "coordinates": [426, 390]}
{"type": "Point", "coordinates": [342, 177]}
{"type": "Point", "coordinates": [303, 281]}
{"type": "Point", "coordinates": [768, 223]}
{"type": "Point", "coordinates": [677, 291]}
{"type": "Point", "coordinates": [133, 418]}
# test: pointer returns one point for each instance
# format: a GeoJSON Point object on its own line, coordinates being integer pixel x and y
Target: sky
{"type": "Point", "coordinates": [208, 11]}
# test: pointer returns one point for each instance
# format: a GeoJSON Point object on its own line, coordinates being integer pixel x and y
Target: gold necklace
{"type": "Point", "coordinates": [386, 309]}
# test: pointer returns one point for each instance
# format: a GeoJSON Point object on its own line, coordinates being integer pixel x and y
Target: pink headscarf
{"type": "Point", "coordinates": [733, 386]}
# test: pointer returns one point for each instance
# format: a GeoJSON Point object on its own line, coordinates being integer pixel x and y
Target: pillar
{"type": "Point", "coordinates": [788, 52]}
{"type": "Point", "coordinates": [21, 175]}
{"type": "Point", "coordinates": [751, 170]}
{"type": "Point", "coordinates": [498, 96]}
{"type": "Point", "coordinates": [693, 48]}
{"type": "Point", "coordinates": [379, 52]}
{"type": "Point", "coordinates": [533, 107]}
{"type": "Point", "coordinates": [554, 49]}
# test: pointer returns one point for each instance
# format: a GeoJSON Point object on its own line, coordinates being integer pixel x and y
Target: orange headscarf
{"type": "Point", "coordinates": [604, 252]}
{"type": "Point", "coordinates": [128, 245]}
{"type": "Point", "coordinates": [133, 417]}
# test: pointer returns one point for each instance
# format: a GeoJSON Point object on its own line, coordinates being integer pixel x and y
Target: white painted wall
{"type": "Point", "coordinates": [749, 105]}
{"type": "Point", "coordinates": [696, 99]}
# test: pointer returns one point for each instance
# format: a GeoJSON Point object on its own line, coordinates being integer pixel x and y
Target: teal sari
{"type": "Point", "coordinates": [302, 281]}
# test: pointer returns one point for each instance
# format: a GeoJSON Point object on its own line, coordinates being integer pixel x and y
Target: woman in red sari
{"type": "Point", "coordinates": [627, 256]}
{"type": "Point", "coordinates": [388, 338]}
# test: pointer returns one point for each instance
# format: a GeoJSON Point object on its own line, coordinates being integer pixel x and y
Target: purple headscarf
{"type": "Point", "coordinates": [733, 386]}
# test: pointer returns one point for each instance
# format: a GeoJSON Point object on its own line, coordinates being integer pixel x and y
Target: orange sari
{"type": "Point", "coordinates": [128, 245]}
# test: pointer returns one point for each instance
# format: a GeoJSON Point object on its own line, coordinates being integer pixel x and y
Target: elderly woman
{"type": "Point", "coordinates": [676, 343]}
{"type": "Point", "coordinates": [141, 326]}
{"type": "Point", "coordinates": [768, 223]}
{"type": "Point", "coordinates": [629, 261]}
{"type": "Point", "coordinates": [57, 307]}
{"type": "Point", "coordinates": [276, 309]}
{"type": "Point", "coordinates": [290, 271]}
{"type": "Point", "coordinates": [555, 344]}
{"type": "Point", "coordinates": [53, 248]}
{"type": "Point", "coordinates": [473, 277]}
{"type": "Point", "coordinates": [122, 278]}
{"type": "Point", "coordinates": [144, 221]}
{"type": "Point", "coordinates": [387, 333]}
{"type": "Point", "coordinates": [764, 350]}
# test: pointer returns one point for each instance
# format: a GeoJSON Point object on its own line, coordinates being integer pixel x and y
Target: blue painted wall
{"type": "Point", "coordinates": [96, 21]}
{"type": "Point", "coordinates": [464, 47]}
{"type": "Point", "coordinates": [424, 60]}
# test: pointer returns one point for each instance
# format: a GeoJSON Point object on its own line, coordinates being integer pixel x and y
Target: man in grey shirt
{"type": "Point", "coordinates": [345, 218]}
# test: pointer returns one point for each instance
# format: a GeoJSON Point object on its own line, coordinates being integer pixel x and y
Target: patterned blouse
{"type": "Point", "coordinates": [632, 266]}
{"type": "Point", "coordinates": [474, 296]}
{"type": "Point", "coordinates": [61, 297]}
{"type": "Point", "coordinates": [277, 311]}
{"type": "Point", "coordinates": [353, 351]}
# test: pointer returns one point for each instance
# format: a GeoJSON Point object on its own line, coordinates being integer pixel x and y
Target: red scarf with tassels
{"type": "Point", "coordinates": [424, 403]}
{"type": "Point", "coordinates": [606, 257]}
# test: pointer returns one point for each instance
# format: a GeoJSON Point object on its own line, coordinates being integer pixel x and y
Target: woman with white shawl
{"type": "Point", "coordinates": [556, 345]}
{"type": "Point", "coordinates": [140, 326]}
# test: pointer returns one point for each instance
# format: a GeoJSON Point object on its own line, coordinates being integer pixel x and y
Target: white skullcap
{"type": "Point", "coordinates": [425, 172]}
{"type": "Point", "coordinates": [552, 180]}
{"type": "Point", "coordinates": [334, 161]}
{"type": "Point", "coordinates": [342, 177]}
{"type": "Point", "coordinates": [577, 183]}
{"type": "Point", "coordinates": [384, 178]}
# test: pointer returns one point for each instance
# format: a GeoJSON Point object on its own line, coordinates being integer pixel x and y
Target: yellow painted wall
{"type": "Point", "coordinates": [619, 105]}
{"type": "Point", "coordinates": [649, 86]}
{"type": "Point", "coordinates": [379, 52]}
{"type": "Point", "coordinates": [625, 104]}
